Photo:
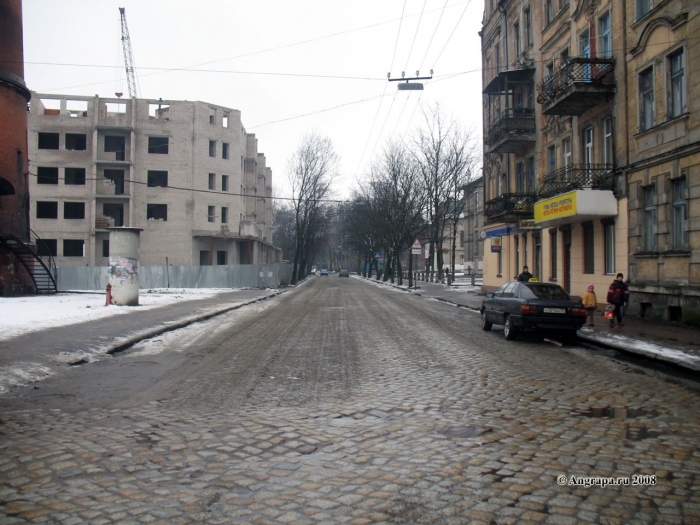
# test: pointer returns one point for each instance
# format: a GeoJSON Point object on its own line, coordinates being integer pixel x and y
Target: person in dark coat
{"type": "Point", "coordinates": [618, 295]}
{"type": "Point", "coordinates": [525, 276]}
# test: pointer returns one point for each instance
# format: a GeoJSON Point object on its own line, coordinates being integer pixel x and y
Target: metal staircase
{"type": "Point", "coordinates": [30, 251]}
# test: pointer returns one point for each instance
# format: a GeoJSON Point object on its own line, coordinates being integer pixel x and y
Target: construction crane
{"type": "Point", "coordinates": [128, 55]}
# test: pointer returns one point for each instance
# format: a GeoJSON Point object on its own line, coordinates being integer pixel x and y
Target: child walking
{"type": "Point", "coordinates": [590, 303]}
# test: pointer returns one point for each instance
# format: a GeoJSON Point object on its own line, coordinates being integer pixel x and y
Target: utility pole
{"type": "Point", "coordinates": [128, 55]}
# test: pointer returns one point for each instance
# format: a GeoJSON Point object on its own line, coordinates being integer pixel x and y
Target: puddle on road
{"type": "Point", "coordinates": [616, 412]}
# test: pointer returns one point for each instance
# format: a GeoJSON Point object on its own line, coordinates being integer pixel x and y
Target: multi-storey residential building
{"type": "Point", "coordinates": [187, 173]}
{"type": "Point", "coordinates": [554, 113]}
{"type": "Point", "coordinates": [663, 170]}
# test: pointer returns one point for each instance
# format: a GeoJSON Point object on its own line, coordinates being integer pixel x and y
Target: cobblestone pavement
{"type": "Point", "coordinates": [344, 402]}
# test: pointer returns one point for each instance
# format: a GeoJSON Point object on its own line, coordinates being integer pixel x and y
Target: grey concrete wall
{"type": "Point", "coordinates": [229, 276]}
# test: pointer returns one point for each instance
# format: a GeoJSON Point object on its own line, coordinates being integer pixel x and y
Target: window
{"type": "Point", "coordinates": [549, 70]}
{"type": "Point", "coordinates": [212, 116]}
{"type": "Point", "coordinates": [531, 171]}
{"type": "Point", "coordinates": [115, 211]}
{"type": "Point", "coordinates": [605, 36]}
{"type": "Point", "coordinates": [646, 94]}
{"type": "Point", "coordinates": [73, 248]}
{"type": "Point", "coordinates": [520, 170]}
{"type": "Point", "coordinates": [588, 250]}
{"type": "Point", "coordinates": [677, 84]}
{"type": "Point", "coordinates": [588, 147]}
{"type": "Point", "coordinates": [224, 183]}
{"type": "Point", "coordinates": [497, 51]}
{"type": "Point", "coordinates": [212, 181]}
{"type": "Point", "coordinates": [116, 144]}
{"type": "Point", "coordinates": [649, 218]}
{"type": "Point", "coordinates": [552, 158]}
{"type": "Point", "coordinates": [105, 247]}
{"type": "Point", "coordinates": [212, 148]}
{"type": "Point", "coordinates": [224, 121]}
{"type": "Point", "coordinates": [549, 10]}
{"type": "Point", "coordinates": [608, 141]}
{"type": "Point", "coordinates": [73, 210]}
{"type": "Point", "coordinates": [553, 253]}
{"type": "Point", "coordinates": [157, 212]}
{"type": "Point", "coordinates": [566, 152]}
{"type": "Point", "coordinates": [221, 257]}
{"type": "Point", "coordinates": [211, 213]}
{"type": "Point", "coordinates": [47, 175]}
{"type": "Point", "coordinates": [157, 178]}
{"type": "Point", "coordinates": [158, 145]}
{"type": "Point", "coordinates": [528, 27]}
{"type": "Point", "coordinates": [643, 7]}
{"type": "Point", "coordinates": [224, 150]}
{"type": "Point", "coordinates": [76, 141]}
{"type": "Point", "coordinates": [46, 247]}
{"type": "Point", "coordinates": [117, 177]}
{"type": "Point", "coordinates": [224, 215]}
{"type": "Point", "coordinates": [680, 214]}
{"type": "Point", "coordinates": [609, 234]}
{"type": "Point", "coordinates": [516, 37]}
{"type": "Point", "coordinates": [204, 258]}
{"type": "Point", "coordinates": [46, 210]}
{"type": "Point", "coordinates": [48, 140]}
{"type": "Point", "coordinates": [75, 177]}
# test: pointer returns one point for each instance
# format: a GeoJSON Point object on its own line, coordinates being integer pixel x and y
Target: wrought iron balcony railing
{"type": "Point", "coordinates": [578, 74]}
{"type": "Point", "coordinates": [576, 177]}
{"type": "Point", "coordinates": [510, 207]}
{"type": "Point", "coordinates": [517, 124]}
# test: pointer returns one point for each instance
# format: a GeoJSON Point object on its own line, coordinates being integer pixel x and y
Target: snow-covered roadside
{"type": "Point", "coordinates": [20, 315]}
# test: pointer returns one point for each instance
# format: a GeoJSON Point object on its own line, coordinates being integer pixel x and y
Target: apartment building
{"type": "Point", "coordinates": [663, 169]}
{"type": "Point", "coordinates": [554, 107]}
{"type": "Point", "coordinates": [187, 173]}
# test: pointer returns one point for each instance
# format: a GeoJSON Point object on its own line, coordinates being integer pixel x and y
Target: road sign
{"type": "Point", "coordinates": [377, 255]}
{"type": "Point", "coordinates": [416, 248]}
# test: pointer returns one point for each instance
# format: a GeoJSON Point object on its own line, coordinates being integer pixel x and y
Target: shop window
{"type": "Point", "coordinates": [588, 248]}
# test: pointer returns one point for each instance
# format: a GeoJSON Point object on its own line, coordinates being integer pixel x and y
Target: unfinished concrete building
{"type": "Point", "coordinates": [185, 172]}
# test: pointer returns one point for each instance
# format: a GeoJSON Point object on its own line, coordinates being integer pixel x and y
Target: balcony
{"type": "Point", "coordinates": [582, 83]}
{"type": "Point", "coordinates": [576, 177]}
{"type": "Point", "coordinates": [510, 207]}
{"type": "Point", "coordinates": [512, 132]}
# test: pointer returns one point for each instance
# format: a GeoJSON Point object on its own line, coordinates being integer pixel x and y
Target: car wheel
{"type": "Point", "coordinates": [485, 325]}
{"type": "Point", "coordinates": [509, 330]}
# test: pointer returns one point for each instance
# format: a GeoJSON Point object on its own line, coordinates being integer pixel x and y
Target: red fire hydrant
{"type": "Point", "coordinates": [109, 295]}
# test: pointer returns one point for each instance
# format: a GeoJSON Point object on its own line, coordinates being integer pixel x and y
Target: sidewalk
{"type": "Point", "coordinates": [669, 343]}
{"type": "Point", "coordinates": [36, 354]}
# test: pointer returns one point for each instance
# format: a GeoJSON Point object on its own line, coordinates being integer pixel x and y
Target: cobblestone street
{"type": "Point", "coordinates": [345, 402]}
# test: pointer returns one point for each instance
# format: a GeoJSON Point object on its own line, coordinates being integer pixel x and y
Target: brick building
{"type": "Point", "coordinates": [185, 172]}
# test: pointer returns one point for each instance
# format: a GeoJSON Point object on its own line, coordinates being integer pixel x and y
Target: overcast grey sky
{"type": "Point", "coordinates": [289, 66]}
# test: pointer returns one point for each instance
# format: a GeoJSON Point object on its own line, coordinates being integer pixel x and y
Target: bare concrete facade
{"type": "Point", "coordinates": [177, 169]}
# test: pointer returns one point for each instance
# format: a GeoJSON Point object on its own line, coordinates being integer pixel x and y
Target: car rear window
{"type": "Point", "coordinates": [543, 291]}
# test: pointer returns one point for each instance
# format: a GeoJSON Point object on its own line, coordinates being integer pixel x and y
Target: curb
{"type": "Point", "coordinates": [153, 332]}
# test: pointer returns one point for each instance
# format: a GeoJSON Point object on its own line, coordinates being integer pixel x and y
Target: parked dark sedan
{"type": "Point", "coordinates": [533, 306]}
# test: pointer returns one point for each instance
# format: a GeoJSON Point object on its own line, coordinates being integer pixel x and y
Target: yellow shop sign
{"type": "Point", "coordinates": [560, 206]}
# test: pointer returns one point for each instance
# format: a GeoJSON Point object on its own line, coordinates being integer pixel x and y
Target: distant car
{"type": "Point", "coordinates": [530, 306]}
{"type": "Point", "coordinates": [344, 272]}
{"type": "Point", "coordinates": [324, 271]}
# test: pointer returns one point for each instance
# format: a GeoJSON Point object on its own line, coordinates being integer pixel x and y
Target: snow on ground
{"type": "Point", "coordinates": [19, 315]}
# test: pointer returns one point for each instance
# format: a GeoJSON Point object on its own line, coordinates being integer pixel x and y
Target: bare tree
{"type": "Point", "coordinates": [311, 170]}
{"type": "Point", "coordinates": [283, 223]}
{"type": "Point", "coordinates": [445, 155]}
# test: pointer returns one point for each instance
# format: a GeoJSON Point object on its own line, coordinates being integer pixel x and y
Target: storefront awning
{"type": "Point", "coordinates": [575, 206]}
